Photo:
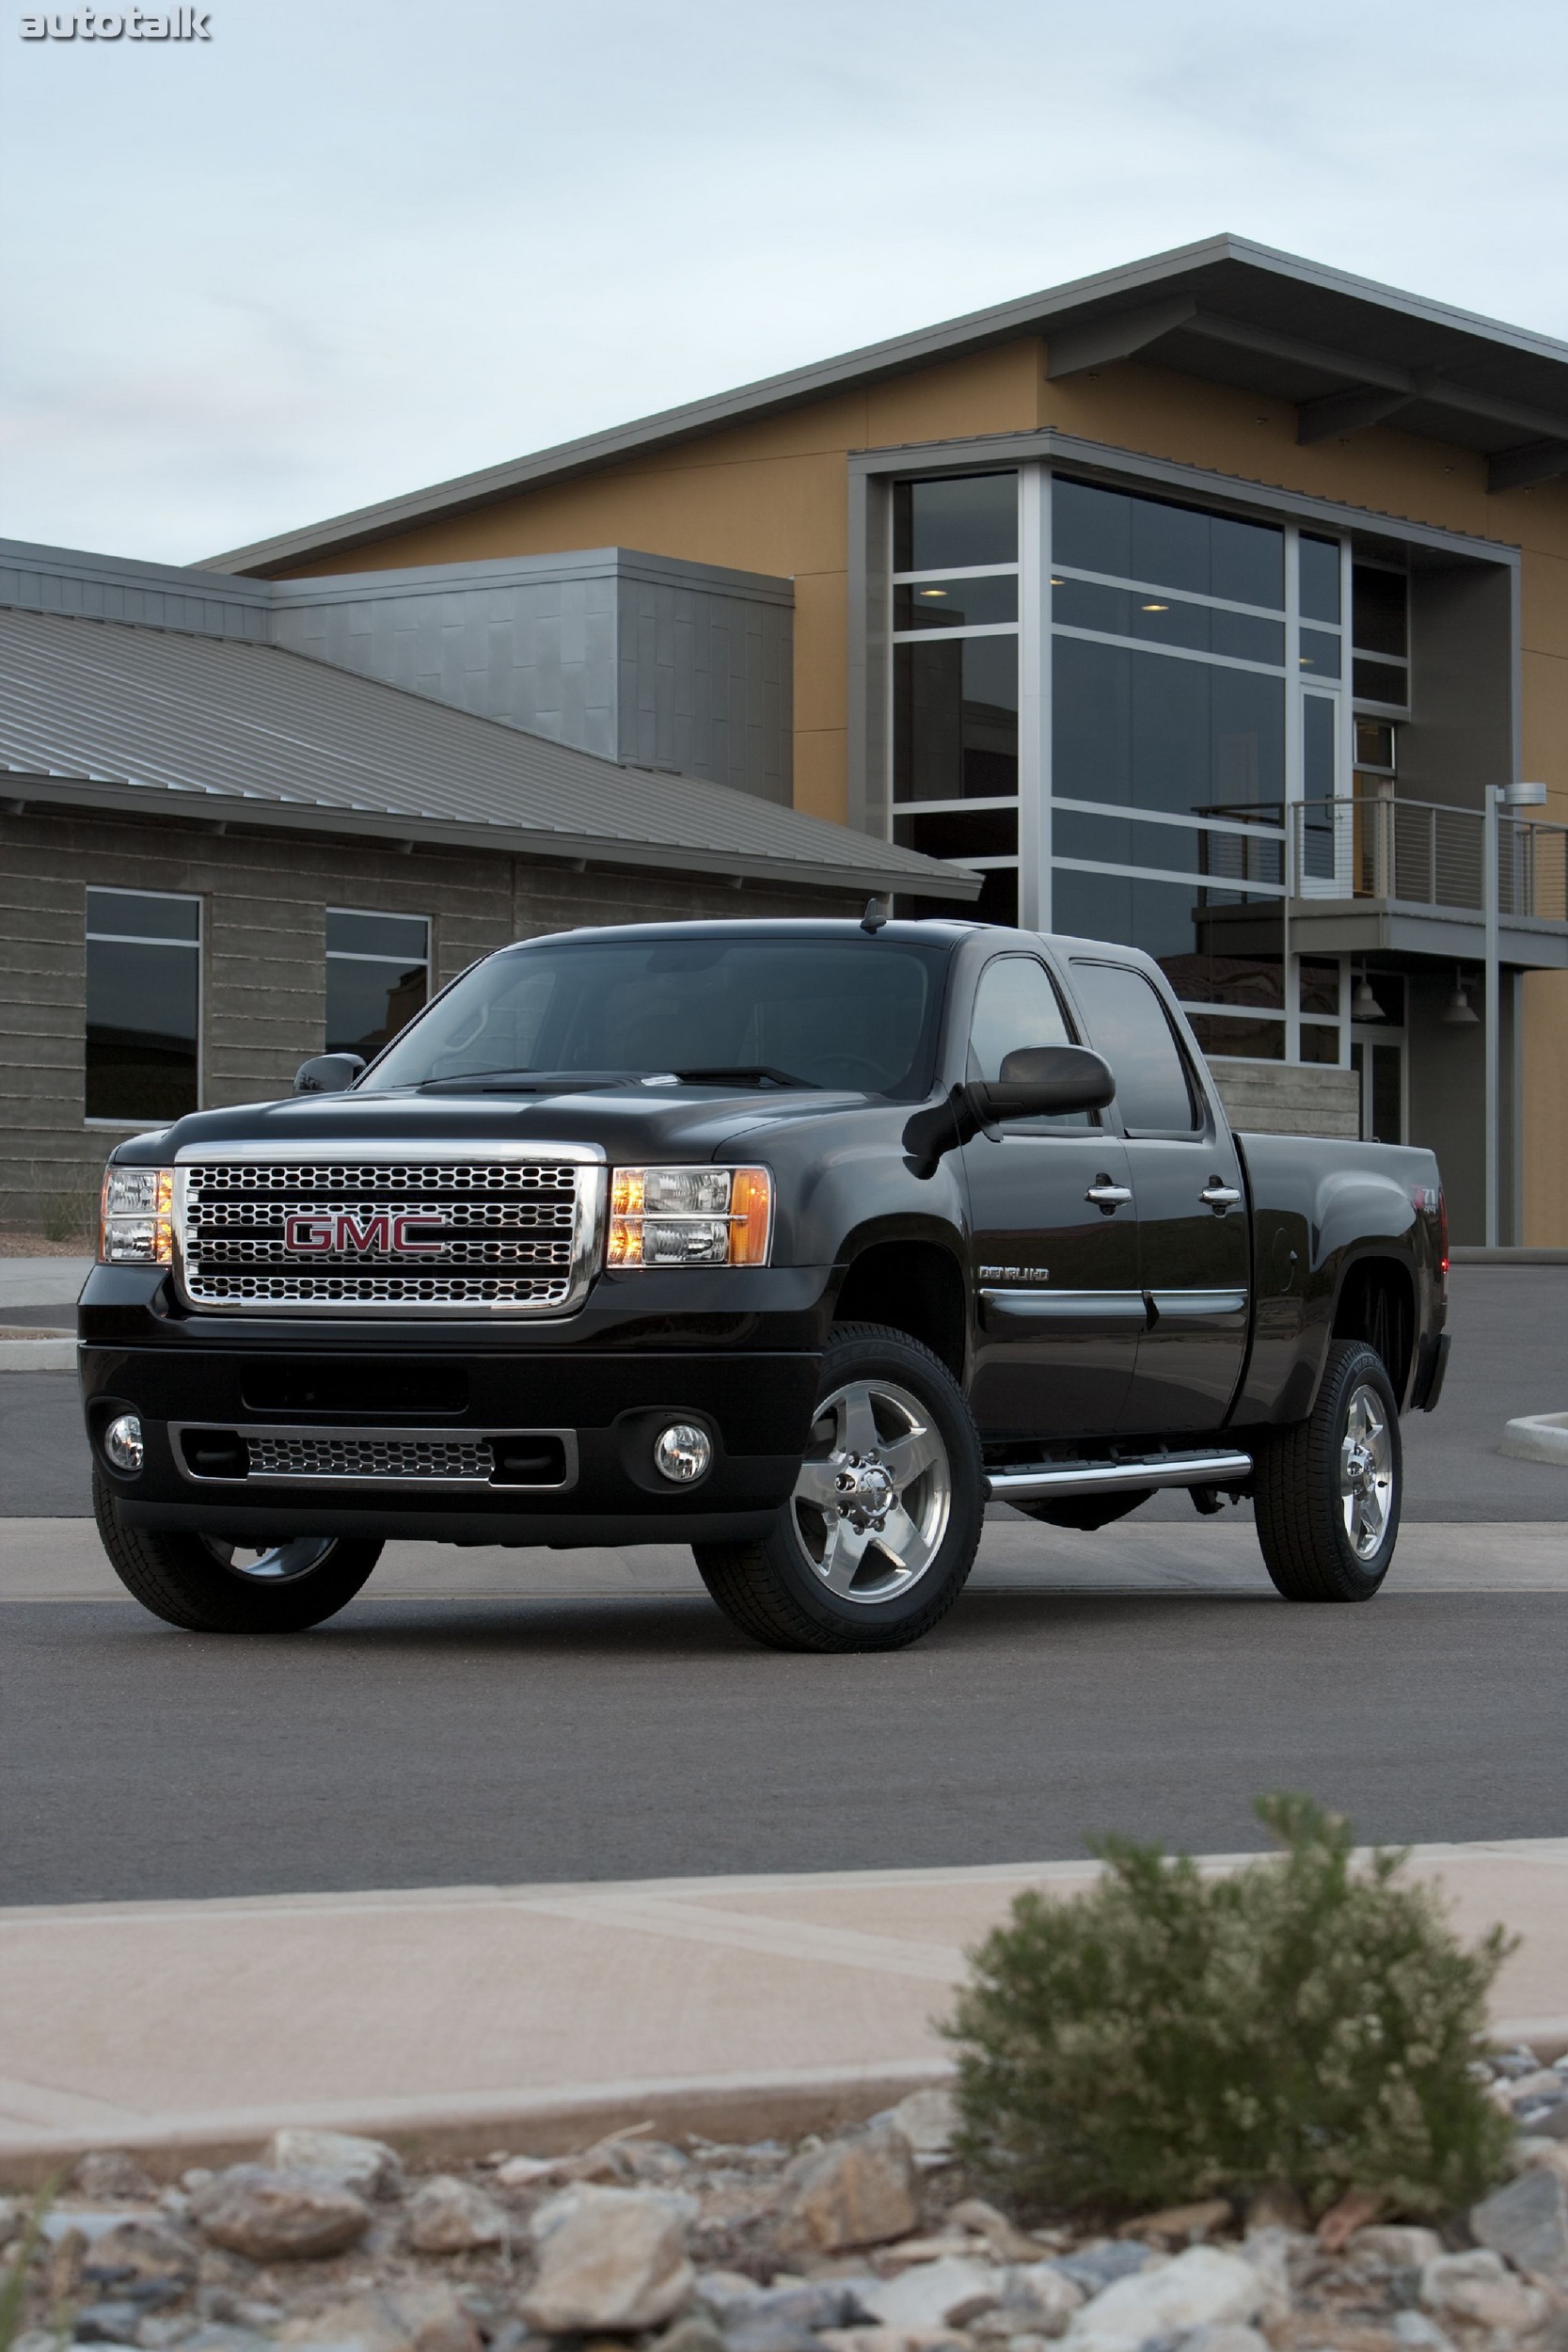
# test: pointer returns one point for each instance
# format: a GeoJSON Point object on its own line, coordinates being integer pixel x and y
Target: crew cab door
{"type": "Point", "coordinates": [1056, 1266]}
{"type": "Point", "coordinates": [1193, 1247]}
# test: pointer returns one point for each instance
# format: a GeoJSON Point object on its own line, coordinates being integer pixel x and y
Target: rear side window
{"type": "Point", "coordinates": [1128, 1025]}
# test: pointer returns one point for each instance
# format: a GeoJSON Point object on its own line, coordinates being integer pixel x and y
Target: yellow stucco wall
{"type": "Point", "coordinates": [771, 495]}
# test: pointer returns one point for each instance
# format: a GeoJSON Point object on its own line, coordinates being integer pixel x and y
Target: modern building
{"type": "Point", "coordinates": [1203, 604]}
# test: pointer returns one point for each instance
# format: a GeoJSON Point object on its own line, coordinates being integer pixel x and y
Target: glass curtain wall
{"type": "Point", "coordinates": [1195, 681]}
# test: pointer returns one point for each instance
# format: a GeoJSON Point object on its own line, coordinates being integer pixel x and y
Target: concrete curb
{"type": "Point", "coordinates": [1537, 1438]}
{"type": "Point", "coordinates": [782, 2104]}
{"type": "Point", "coordinates": [49, 1352]}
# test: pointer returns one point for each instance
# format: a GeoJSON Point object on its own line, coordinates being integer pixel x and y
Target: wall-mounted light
{"type": "Point", "coordinates": [1363, 1004]}
{"type": "Point", "coordinates": [1459, 1013]}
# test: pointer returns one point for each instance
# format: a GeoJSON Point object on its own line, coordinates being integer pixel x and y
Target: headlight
{"type": "Point", "coordinates": [137, 1227]}
{"type": "Point", "coordinates": [689, 1216]}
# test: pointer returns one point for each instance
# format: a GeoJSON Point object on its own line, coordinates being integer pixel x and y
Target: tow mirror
{"type": "Point", "coordinates": [327, 1073]}
{"type": "Point", "coordinates": [1035, 1081]}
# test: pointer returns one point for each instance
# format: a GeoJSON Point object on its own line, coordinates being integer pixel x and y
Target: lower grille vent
{"type": "Point", "coordinates": [462, 1461]}
{"type": "Point", "coordinates": [543, 1459]}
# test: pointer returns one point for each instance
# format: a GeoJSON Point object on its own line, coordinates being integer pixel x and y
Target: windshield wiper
{"type": "Point", "coordinates": [741, 1074]}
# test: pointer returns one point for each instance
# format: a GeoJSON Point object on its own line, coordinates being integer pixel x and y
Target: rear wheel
{"type": "Point", "coordinates": [1328, 1490]}
{"type": "Point", "coordinates": [874, 1544]}
{"type": "Point", "coordinates": [206, 1584]}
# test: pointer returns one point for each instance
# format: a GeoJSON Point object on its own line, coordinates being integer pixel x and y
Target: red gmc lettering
{"type": "Point", "coordinates": [405, 1225]}
{"type": "Point", "coordinates": [304, 1235]}
{"type": "Point", "coordinates": [329, 1232]}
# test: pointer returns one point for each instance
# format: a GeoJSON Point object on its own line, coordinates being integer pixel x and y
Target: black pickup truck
{"type": "Point", "coordinates": [796, 1242]}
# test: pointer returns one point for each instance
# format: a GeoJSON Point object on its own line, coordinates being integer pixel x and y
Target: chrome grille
{"type": "Point", "coordinates": [497, 1228]}
{"type": "Point", "coordinates": [464, 1461]}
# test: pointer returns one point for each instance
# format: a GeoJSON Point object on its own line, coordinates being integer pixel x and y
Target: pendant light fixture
{"type": "Point", "coordinates": [1363, 1004]}
{"type": "Point", "coordinates": [1459, 1013]}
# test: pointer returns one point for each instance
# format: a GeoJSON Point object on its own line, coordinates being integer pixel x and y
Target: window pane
{"type": "Point", "coordinates": [972, 518]}
{"type": "Point", "coordinates": [1379, 608]}
{"type": "Point", "coordinates": [1128, 1025]}
{"type": "Point", "coordinates": [996, 903]}
{"type": "Point", "coordinates": [1320, 579]}
{"type": "Point", "coordinates": [1319, 987]}
{"type": "Point", "coordinates": [1319, 1044]}
{"type": "Point", "coordinates": [1374, 743]}
{"type": "Point", "coordinates": [1320, 653]}
{"type": "Point", "coordinates": [1137, 538]}
{"type": "Point", "coordinates": [1015, 1006]}
{"type": "Point", "coordinates": [1387, 1093]}
{"type": "Point", "coordinates": [1133, 613]}
{"type": "Point", "coordinates": [142, 915]}
{"type": "Point", "coordinates": [1179, 736]}
{"type": "Point", "coordinates": [406, 936]}
{"type": "Point", "coordinates": [1380, 682]}
{"type": "Point", "coordinates": [957, 603]}
{"type": "Point", "coordinates": [956, 719]}
{"type": "Point", "coordinates": [980, 833]}
{"type": "Point", "coordinates": [1318, 717]}
{"type": "Point", "coordinates": [367, 1004]}
{"type": "Point", "coordinates": [1213, 948]}
{"type": "Point", "coordinates": [1228, 857]}
{"type": "Point", "coordinates": [1249, 1040]}
{"type": "Point", "coordinates": [141, 1030]}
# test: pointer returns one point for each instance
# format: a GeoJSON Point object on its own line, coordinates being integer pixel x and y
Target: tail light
{"type": "Point", "coordinates": [1428, 1200]}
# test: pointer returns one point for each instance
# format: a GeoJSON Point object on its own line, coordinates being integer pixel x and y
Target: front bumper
{"type": "Point", "coordinates": [552, 1445]}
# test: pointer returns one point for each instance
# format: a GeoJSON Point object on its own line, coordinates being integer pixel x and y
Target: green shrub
{"type": "Point", "coordinates": [1167, 2036]}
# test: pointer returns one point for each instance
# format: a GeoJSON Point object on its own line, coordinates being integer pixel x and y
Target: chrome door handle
{"type": "Point", "coordinates": [1218, 1196]}
{"type": "Point", "coordinates": [1108, 1196]}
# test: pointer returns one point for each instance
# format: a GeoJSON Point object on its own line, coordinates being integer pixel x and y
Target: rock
{"type": "Point", "coordinates": [1416, 2329]}
{"type": "Point", "coordinates": [1230, 2337]}
{"type": "Point", "coordinates": [1399, 2245]}
{"type": "Point", "coordinates": [525, 2171]}
{"type": "Point", "coordinates": [823, 2303]}
{"type": "Point", "coordinates": [108, 2323]}
{"type": "Point", "coordinates": [1548, 2120]}
{"type": "Point", "coordinates": [279, 2216]}
{"type": "Point", "coordinates": [1181, 2224]}
{"type": "Point", "coordinates": [1478, 2287]}
{"type": "Point", "coordinates": [110, 2172]}
{"type": "Point", "coordinates": [934, 2294]}
{"type": "Point", "coordinates": [854, 2192]}
{"type": "Point", "coordinates": [888, 2340]}
{"type": "Point", "coordinates": [1527, 2222]}
{"type": "Point", "coordinates": [367, 2167]}
{"type": "Point", "coordinates": [423, 2317]}
{"type": "Point", "coordinates": [1007, 2243]}
{"type": "Point", "coordinates": [927, 2120]}
{"type": "Point", "coordinates": [1353, 2211]}
{"type": "Point", "coordinates": [1041, 2296]}
{"type": "Point", "coordinates": [447, 2216]}
{"type": "Point", "coordinates": [1269, 2253]}
{"type": "Point", "coordinates": [610, 2258]}
{"type": "Point", "coordinates": [148, 2250]}
{"type": "Point", "coordinates": [770, 2334]}
{"type": "Point", "coordinates": [690, 2335]}
{"type": "Point", "coordinates": [1201, 2288]}
{"type": "Point", "coordinates": [1099, 2266]}
{"type": "Point", "coordinates": [1277, 2208]}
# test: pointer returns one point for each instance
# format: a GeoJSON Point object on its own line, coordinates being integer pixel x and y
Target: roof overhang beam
{"type": "Point", "coordinates": [1115, 335]}
{"type": "Point", "coordinates": [1338, 413]}
{"type": "Point", "coordinates": [1534, 461]}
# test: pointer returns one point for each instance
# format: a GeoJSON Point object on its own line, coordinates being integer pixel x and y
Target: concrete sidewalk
{"type": "Point", "coordinates": [49, 1559]}
{"type": "Point", "coordinates": [465, 2015]}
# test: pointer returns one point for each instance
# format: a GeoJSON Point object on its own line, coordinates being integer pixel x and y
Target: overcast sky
{"type": "Point", "coordinates": [349, 246]}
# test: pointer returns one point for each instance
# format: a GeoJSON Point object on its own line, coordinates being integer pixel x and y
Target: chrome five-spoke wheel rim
{"type": "Point", "coordinates": [872, 1502]}
{"type": "Point", "coordinates": [271, 1564]}
{"type": "Point", "coordinates": [1366, 1473]}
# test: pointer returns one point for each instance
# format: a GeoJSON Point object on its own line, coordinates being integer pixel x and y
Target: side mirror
{"type": "Point", "coordinates": [1037, 1081]}
{"type": "Point", "coordinates": [327, 1073]}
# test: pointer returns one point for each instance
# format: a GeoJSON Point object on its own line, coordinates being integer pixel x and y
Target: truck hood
{"type": "Point", "coordinates": [630, 1123]}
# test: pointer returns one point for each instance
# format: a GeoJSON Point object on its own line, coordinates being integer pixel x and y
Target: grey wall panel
{"type": "Point", "coordinates": [705, 681]}
{"type": "Point", "coordinates": [150, 596]}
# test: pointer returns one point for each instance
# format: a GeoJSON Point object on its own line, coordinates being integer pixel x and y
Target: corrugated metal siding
{"type": "Point", "coordinates": [150, 596]}
{"type": "Point", "coordinates": [164, 712]}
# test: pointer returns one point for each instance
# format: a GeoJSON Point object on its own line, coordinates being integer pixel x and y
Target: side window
{"type": "Point", "coordinates": [1015, 1005]}
{"type": "Point", "coordinates": [1128, 1025]}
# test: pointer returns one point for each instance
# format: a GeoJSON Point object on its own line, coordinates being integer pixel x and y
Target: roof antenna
{"type": "Point", "coordinates": [875, 915]}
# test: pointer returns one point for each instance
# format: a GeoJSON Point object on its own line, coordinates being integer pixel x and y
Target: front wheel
{"type": "Point", "coordinates": [1328, 1490]}
{"type": "Point", "coordinates": [205, 1585]}
{"type": "Point", "coordinates": [876, 1541]}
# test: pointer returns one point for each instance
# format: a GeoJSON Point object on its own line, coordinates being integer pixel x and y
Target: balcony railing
{"type": "Point", "coordinates": [1423, 853]}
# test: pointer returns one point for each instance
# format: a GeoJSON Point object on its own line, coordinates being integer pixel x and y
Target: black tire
{"type": "Point", "coordinates": [186, 1579]}
{"type": "Point", "coordinates": [776, 1589]}
{"type": "Point", "coordinates": [1302, 1501]}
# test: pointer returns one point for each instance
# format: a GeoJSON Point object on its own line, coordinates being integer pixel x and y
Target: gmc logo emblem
{"type": "Point", "coordinates": [337, 1232]}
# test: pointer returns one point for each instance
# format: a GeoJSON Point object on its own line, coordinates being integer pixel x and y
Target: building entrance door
{"type": "Point", "coordinates": [1378, 1061]}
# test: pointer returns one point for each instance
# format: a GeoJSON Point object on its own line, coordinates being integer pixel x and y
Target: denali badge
{"type": "Point", "coordinates": [332, 1233]}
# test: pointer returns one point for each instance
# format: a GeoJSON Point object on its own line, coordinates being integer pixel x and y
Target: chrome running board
{"type": "Point", "coordinates": [1045, 1479]}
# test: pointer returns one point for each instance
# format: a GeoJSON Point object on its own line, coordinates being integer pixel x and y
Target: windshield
{"type": "Point", "coordinates": [856, 1013]}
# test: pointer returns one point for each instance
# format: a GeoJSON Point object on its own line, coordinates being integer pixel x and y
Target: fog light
{"type": "Point", "coordinates": [682, 1451]}
{"type": "Point", "coordinates": [122, 1442]}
